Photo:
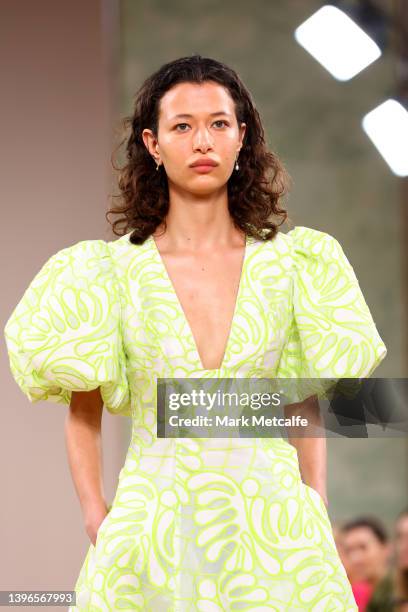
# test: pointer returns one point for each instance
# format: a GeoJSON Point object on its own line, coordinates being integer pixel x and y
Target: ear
{"type": "Point", "coordinates": [151, 143]}
{"type": "Point", "coordinates": [242, 130]}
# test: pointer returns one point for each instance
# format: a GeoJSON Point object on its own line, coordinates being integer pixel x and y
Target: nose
{"type": "Point", "coordinates": [202, 140]}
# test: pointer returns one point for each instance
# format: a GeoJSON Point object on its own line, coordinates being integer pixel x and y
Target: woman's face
{"type": "Point", "coordinates": [195, 121]}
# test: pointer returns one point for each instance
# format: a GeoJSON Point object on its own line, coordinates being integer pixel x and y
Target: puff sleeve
{"type": "Point", "coordinates": [64, 334]}
{"type": "Point", "coordinates": [333, 334]}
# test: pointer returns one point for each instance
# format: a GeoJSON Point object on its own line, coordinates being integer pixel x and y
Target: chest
{"type": "Point", "coordinates": [226, 314]}
{"type": "Point", "coordinates": [207, 290]}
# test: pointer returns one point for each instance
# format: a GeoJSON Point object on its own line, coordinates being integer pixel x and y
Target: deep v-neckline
{"type": "Point", "coordinates": [180, 309]}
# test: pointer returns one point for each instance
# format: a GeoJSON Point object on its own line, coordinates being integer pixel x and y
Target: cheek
{"type": "Point", "coordinates": [172, 148]}
{"type": "Point", "coordinates": [228, 145]}
{"type": "Point", "coordinates": [372, 555]}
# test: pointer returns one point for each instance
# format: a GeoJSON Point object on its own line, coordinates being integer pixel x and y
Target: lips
{"type": "Point", "coordinates": [203, 162]}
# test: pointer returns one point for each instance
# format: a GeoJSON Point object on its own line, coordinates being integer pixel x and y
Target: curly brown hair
{"type": "Point", "coordinates": [254, 193]}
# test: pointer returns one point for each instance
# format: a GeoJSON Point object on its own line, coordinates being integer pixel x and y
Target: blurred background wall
{"type": "Point", "coordinates": [57, 110]}
{"type": "Point", "coordinates": [69, 72]}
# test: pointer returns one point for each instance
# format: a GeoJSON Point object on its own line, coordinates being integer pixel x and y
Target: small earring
{"type": "Point", "coordinates": [236, 164]}
{"type": "Point", "coordinates": [157, 166]}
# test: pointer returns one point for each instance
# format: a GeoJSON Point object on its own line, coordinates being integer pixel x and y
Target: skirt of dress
{"type": "Point", "coordinates": [212, 525]}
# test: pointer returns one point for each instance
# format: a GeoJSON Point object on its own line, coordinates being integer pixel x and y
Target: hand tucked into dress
{"type": "Point", "coordinates": [93, 520]}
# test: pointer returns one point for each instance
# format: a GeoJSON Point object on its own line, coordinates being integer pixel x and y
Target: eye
{"type": "Point", "coordinates": [178, 125]}
{"type": "Point", "coordinates": [221, 121]}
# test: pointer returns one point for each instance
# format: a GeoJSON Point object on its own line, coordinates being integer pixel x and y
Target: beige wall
{"type": "Point", "coordinates": [57, 107]}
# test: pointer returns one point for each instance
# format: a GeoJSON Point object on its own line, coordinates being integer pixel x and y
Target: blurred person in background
{"type": "Point", "coordinates": [362, 590]}
{"type": "Point", "coordinates": [338, 538]}
{"type": "Point", "coordinates": [366, 545]}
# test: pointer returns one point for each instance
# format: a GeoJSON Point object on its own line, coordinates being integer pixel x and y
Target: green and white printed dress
{"type": "Point", "coordinates": [199, 524]}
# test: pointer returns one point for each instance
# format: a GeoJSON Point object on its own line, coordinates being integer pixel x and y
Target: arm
{"type": "Point", "coordinates": [83, 442]}
{"type": "Point", "coordinates": [312, 452]}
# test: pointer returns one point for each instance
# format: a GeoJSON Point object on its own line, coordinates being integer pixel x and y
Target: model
{"type": "Point", "coordinates": [200, 283]}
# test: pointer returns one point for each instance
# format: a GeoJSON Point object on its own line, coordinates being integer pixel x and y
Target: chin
{"type": "Point", "coordinates": [202, 185]}
{"type": "Point", "coordinates": [206, 185]}
{"type": "Point", "coordinates": [205, 191]}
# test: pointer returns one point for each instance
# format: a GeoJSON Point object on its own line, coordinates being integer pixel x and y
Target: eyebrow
{"type": "Point", "coordinates": [211, 114]}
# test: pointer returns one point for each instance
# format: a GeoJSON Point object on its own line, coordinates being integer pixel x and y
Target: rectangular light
{"type": "Point", "coordinates": [337, 42]}
{"type": "Point", "coordinates": [387, 127]}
